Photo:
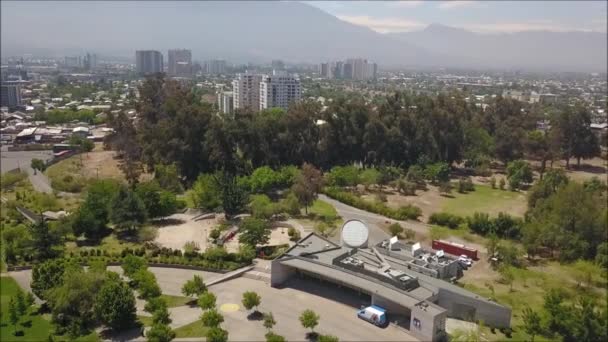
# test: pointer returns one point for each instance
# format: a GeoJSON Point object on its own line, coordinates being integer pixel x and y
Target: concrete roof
{"type": "Point", "coordinates": [356, 280]}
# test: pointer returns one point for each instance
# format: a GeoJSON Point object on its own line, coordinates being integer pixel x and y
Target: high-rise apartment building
{"type": "Point", "coordinates": [180, 62]}
{"type": "Point", "coordinates": [148, 62]}
{"type": "Point", "coordinates": [351, 69]}
{"type": "Point", "coordinates": [326, 70]}
{"type": "Point", "coordinates": [225, 102]}
{"type": "Point", "coordinates": [246, 91]}
{"type": "Point", "coordinates": [216, 66]}
{"type": "Point", "coordinates": [279, 90]}
{"type": "Point", "coordinates": [10, 96]}
{"type": "Point", "coordinates": [90, 61]}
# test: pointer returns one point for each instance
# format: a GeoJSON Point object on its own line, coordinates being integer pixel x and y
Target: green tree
{"type": "Point", "coordinates": [216, 334]}
{"type": "Point", "coordinates": [251, 300]}
{"type": "Point", "coordinates": [161, 316]}
{"type": "Point", "coordinates": [254, 232]}
{"type": "Point", "coordinates": [84, 144]}
{"type": "Point", "coordinates": [146, 284]}
{"type": "Point", "coordinates": [601, 258]}
{"type": "Point", "coordinates": [115, 305]}
{"type": "Point", "coordinates": [206, 300]}
{"type": "Point", "coordinates": [501, 184]}
{"type": "Point", "coordinates": [395, 229]}
{"type": "Point", "coordinates": [46, 276]}
{"type": "Point", "coordinates": [158, 203]}
{"type": "Point", "coordinates": [194, 287]}
{"type": "Point", "coordinates": [309, 319]}
{"type": "Point", "coordinates": [519, 173]}
{"type": "Point", "coordinates": [234, 196]}
{"type": "Point", "coordinates": [20, 303]}
{"type": "Point", "coordinates": [127, 210]}
{"type": "Point", "coordinates": [92, 216]}
{"type": "Point", "coordinates": [131, 264]}
{"type": "Point", "coordinates": [212, 318]}
{"type": "Point", "coordinates": [307, 185]}
{"type": "Point", "coordinates": [206, 193]}
{"type": "Point", "coordinates": [168, 178]}
{"type": "Point", "coordinates": [269, 321]}
{"type": "Point", "coordinates": [155, 304]}
{"type": "Point", "coordinates": [73, 301]}
{"type": "Point", "coordinates": [532, 322]}
{"type": "Point", "coordinates": [13, 313]}
{"type": "Point", "coordinates": [43, 240]}
{"type": "Point", "coordinates": [29, 299]}
{"type": "Point", "coordinates": [272, 337]}
{"type": "Point", "coordinates": [160, 333]}
{"type": "Point", "coordinates": [38, 164]}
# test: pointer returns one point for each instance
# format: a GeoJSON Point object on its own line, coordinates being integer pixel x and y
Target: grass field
{"type": "Point", "coordinates": [173, 301]}
{"type": "Point", "coordinates": [38, 331]}
{"type": "Point", "coordinates": [146, 321]}
{"type": "Point", "coordinates": [487, 200]}
{"type": "Point", "coordinates": [194, 329]}
{"type": "Point", "coordinates": [323, 210]}
{"type": "Point", "coordinates": [529, 288]}
{"type": "Point", "coordinates": [35, 327]}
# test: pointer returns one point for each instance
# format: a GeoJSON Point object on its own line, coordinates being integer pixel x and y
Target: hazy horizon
{"type": "Point", "coordinates": [311, 32]}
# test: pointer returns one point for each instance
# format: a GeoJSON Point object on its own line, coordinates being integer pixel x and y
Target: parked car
{"type": "Point", "coordinates": [465, 261]}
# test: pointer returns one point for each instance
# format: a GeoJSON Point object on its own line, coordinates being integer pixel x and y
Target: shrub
{"type": "Point", "coordinates": [445, 219]}
{"type": "Point", "coordinates": [343, 176]}
{"type": "Point", "coordinates": [407, 212]}
{"type": "Point", "coordinates": [381, 197]}
{"type": "Point", "coordinates": [395, 229]}
{"type": "Point", "coordinates": [493, 182]}
{"type": "Point", "coordinates": [445, 187]}
{"type": "Point", "coordinates": [294, 234]}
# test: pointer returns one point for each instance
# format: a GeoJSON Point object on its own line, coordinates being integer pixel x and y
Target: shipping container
{"type": "Point", "coordinates": [454, 248]}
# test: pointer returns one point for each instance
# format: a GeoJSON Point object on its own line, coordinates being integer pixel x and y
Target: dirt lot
{"type": "Point", "coordinates": [184, 229]}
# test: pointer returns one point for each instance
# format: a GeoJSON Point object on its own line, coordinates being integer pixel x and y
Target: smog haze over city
{"type": "Point", "coordinates": [316, 171]}
{"type": "Point", "coordinates": [538, 35]}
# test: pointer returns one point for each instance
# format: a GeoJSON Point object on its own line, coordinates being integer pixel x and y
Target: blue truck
{"type": "Point", "coordinates": [373, 314]}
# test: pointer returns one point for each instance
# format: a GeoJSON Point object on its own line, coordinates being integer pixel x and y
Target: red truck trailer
{"type": "Point", "coordinates": [454, 248]}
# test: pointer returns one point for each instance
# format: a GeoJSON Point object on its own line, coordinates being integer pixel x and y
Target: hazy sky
{"type": "Point", "coordinates": [479, 16]}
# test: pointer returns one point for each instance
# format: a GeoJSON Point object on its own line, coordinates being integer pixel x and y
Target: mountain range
{"type": "Point", "coordinates": [292, 31]}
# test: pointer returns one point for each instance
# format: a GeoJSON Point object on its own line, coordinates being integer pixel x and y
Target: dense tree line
{"type": "Point", "coordinates": [175, 127]}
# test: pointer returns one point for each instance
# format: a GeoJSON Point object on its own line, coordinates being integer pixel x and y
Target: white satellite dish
{"type": "Point", "coordinates": [355, 234]}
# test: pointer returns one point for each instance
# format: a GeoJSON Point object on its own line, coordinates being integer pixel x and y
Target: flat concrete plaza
{"type": "Point", "coordinates": [286, 304]}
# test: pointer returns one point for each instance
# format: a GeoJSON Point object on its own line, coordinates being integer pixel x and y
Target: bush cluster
{"type": "Point", "coordinates": [408, 212]}
{"type": "Point", "coordinates": [446, 220]}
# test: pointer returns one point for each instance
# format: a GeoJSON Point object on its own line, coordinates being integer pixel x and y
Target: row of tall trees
{"type": "Point", "coordinates": [175, 127]}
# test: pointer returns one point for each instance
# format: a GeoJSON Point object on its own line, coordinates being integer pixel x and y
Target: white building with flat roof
{"type": "Point", "coordinates": [279, 90]}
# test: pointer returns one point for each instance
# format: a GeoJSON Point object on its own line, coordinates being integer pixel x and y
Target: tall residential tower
{"type": "Point", "coordinates": [148, 62]}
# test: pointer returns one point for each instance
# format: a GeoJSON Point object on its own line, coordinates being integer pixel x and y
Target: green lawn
{"type": "Point", "coordinates": [439, 232]}
{"type": "Point", "coordinates": [529, 288]}
{"type": "Point", "coordinates": [40, 327]}
{"type": "Point", "coordinates": [110, 243]}
{"type": "Point", "coordinates": [323, 210]}
{"type": "Point", "coordinates": [173, 301]}
{"type": "Point", "coordinates": [146, 321]}
{"type": "Point", "coordinates": [487, 200]}
{"type": "Point", "coordinates": [194, 329]}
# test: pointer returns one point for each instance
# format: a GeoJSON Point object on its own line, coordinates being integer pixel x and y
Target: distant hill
{"type": "Point", "coordinates": [238, 31]}
{"type": "Point", "coordinates": [262, 31]}
{"type": "Point", "coordinates": [565, 51]}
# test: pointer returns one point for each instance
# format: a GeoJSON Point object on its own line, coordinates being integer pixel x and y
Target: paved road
{"type": "Point", "coordinates": [22, 159]}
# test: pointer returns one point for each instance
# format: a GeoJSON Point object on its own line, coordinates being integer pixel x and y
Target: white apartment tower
{"type": "Point", "coordinates": [246, 91]}
{"type": "Point", "coordinates": [225, 102]}
{"type": "Point", "coordinates": [279, 90]}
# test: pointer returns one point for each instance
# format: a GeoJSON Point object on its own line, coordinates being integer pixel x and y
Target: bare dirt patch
{"type": "Point", "coordinates": [185, 229]}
